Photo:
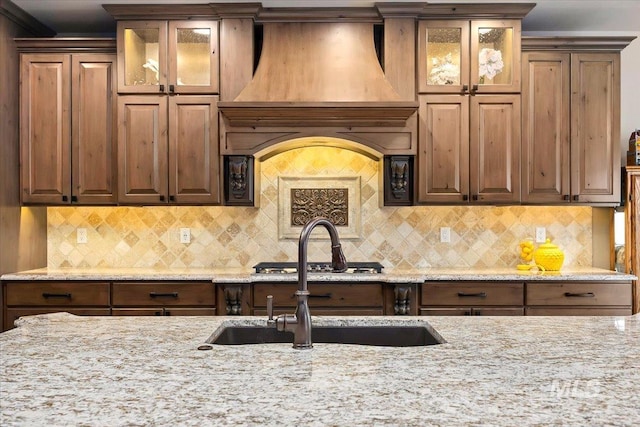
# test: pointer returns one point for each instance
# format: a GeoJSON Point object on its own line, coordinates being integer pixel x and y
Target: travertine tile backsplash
{"type": "Point", "coordinates": [406, 237]}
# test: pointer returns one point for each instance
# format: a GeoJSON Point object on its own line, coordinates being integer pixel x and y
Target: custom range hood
{"type": "Point", "coordinates": [318, 74]}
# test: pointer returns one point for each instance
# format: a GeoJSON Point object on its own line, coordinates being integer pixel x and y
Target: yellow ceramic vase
{"type": "Point", "coordinates": [549, 256]}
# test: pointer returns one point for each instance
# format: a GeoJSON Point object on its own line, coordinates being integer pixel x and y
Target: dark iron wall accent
{"type": "Point", "coordinates": [398, 180]}
{"type": "Point", "coordinates": [238, 180]}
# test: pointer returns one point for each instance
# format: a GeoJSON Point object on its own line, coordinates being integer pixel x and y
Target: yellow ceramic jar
{"type": "Point", "coordinates": [549, 256]}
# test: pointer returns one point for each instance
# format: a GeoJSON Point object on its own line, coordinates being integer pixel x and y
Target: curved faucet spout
{"type": "Point", "coordinates": [300, 322]}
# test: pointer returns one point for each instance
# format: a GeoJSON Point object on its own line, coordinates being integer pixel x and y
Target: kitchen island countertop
{"type": "Point", "coordinates": [246, 275]}
{"type": "Point", "coordinates": [59, 369]}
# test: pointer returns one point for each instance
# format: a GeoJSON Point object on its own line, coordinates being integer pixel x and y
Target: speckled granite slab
{"type": "Point", "coordinates": [245, 275]}
{"type": "Point", "coordinates": [60, 369]}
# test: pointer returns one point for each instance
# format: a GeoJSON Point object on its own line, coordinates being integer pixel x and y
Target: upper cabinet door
{"type": "Point", "coordinates": [93, 148]}
{"type": "Point", "coordinates": [45, 128]}
{"type": "Point", "coordinates": [469, 56]}
{"type": "Point", "coordinates": [142, 56]}
{"type": "Point", "coordinates": [193, 57]}
{"type": "Point", "coordinates": [545, 127]}
{"type": "Point", "coordinates": [168, 57]}
{"type": "Point", "coordinates": [443, 56]}
{"type": "Point", "coordinates": [495, 56]}
{"type": "Point", "coordinates": [142, 149]}
{"type": "Point", "coordinates": [595, 127]}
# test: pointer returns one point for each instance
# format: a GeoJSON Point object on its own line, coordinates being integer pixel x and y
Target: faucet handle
{"type": "Point", "coordinates": [270, 309]}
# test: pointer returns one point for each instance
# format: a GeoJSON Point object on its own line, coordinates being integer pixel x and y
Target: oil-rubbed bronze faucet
{"type": "Point", "coordinates": [300, 322]}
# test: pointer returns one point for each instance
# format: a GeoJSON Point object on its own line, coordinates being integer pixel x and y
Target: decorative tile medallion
{"type": "Point", "coordinates": [309, 203]}
{"type": "Point", "coordinates": [304, 198]}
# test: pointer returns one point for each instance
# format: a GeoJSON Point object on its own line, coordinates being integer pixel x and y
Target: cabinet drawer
{"type": "Point", "coordinates": [323, 311]}
{"type": "Point", "coordinates": [577, 311]}
{"type": "Point", "coordinates": [160, 311]}
{"type": "Point", "coordinates": [578, 294]}
{"type": "Point", "coordinates": [468, 311]}
{"type": "Point", "coordinates": [163, 294]}
{"type": "Point", "coordinates": [471, 294]}
{"type": "Point", "coordinates": [321, 295]}
{"type": "Point", "coordinates": [58, 294]}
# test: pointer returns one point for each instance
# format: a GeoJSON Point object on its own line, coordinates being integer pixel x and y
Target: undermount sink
{"type": "Point", "coordinates": [389, 336]}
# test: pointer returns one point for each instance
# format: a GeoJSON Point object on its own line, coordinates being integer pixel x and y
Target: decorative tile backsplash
{"type": "Point", "coordinates": [400, 237]}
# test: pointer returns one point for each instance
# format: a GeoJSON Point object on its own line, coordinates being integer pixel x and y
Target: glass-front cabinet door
{"type": "Point", "coordinates": [168, 56]}
{"type": "Point", "coordinates": [142, 56]}
{"type": "Point", "coordinates": [495, 57]}
{"type": "Point", "coordinates": [444, 56]}
{"type": "Point", "coordinates": [469, 56]}
{"type": "Point", "coordinates": [193, 56]}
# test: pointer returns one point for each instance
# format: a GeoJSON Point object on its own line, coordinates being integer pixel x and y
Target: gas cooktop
{"type": "Point", "coordinates": [316, 267]}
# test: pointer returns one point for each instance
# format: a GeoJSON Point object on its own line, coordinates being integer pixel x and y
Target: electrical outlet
{"type": "Point", "coordinates": [445, 234]}
{"type": "Point", "coordinates": [185, 235]}
{"type": "Point", "coordinates": [81, 235]}
{"type": "Point", "coordinates": [541, 235]}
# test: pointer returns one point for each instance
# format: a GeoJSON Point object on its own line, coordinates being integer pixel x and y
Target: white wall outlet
{"type": "Point", "coordinates": [185, 235]}
{"type": "Point", "coordinates": [445, 234]}
{"type": "Point", "coordinates": [541, 235]}
{"type": "Point", "coordinates": [81, 235]}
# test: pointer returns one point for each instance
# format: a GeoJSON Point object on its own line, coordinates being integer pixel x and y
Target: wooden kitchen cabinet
{"type": "Point", "coordinates": [570, 123]}
{"type": "Point", "coordinates": [168, 56]}
{"type": "Point", "coordinates": [462, 56]}
{"type": "Point", "coordinates": [168, 149]}
{"type": "Point", "coordinates": [39, 297]}
{"type": "Point", "coordinates": [469, 148]}
{"type": "Point", "coordinates": [471, 298]}
{"type": "Point", "coordinates": [163, 298]}
{"type": "Point", "coordinates": [578, 299]}
{"type": "Point", "coordinates": [324, 298]}
{"type": "Point", "coordinates": [632, 231]}
{"type": "Point", "coordinates": [67, 118]}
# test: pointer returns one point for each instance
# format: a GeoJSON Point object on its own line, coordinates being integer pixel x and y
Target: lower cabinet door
{"type": "Point", "coordinates": [445, 311]}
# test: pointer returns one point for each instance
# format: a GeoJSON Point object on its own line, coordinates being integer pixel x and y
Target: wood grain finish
{"type": "Point", "coordinates": [545, 127]}
{"type": "Point", "coordinates": [632, 231]}
{"type": "Point", "coordinates": [473, 311]}
{"type": "Point", "coordinates": [578, 294]}
{"type": "Point", "coordinates": [318, 62]}
{"type": "Point", "coordinates": [59, 294]}
{"type": "Point", "coordinates": [142, 149]}
{"type": "Point", "coordinates": [443, 169]}
{"type": "Point", "coordinates": [400, 68]}
{"type": "Point", "coordinates": [45, 128]}
{"type": "Point", "coordinates": [577, 311]}
{"type": "Point", "coordinates": [494, 161]}
{"type": "Point", "coordinates": [236, 56]}
{"type": "Point", "coordinates": [342, 295]}
{"type": "Point", "coordinates": [471, 294]}
{"type": "Point", "coordinates": [194, 163]}
{"type": "Point", "coordinates": [163, 294]}
{"type": "Point", "coordinates": [595, 127]}
{"type": "Point", "coordinates": [93, 140]}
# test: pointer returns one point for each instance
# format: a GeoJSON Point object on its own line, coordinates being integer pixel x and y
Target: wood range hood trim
{"type": "Point", "coordinates": [342, 114]}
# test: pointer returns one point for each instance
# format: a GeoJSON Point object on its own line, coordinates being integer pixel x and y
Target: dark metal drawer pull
{"type": "Point", "coordinates": [583, 294]}
{"type": "Point", "coordinates": [48, 295]}
{"type": "Point", "coordinates": [160, 295]}
{"type": "Point", "coordinates": [327, 295]}
{"type": "Point", "coordinates": [479, 294]}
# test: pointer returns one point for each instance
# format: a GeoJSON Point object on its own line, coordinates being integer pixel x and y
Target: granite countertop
{"type": "Point", "coordinates": [246, 275]}
{"type": "Point", "coordinates": [60, 369]}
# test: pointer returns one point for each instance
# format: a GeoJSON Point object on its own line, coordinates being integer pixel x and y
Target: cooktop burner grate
{"type": "Point", "coordinates": [316, 267]}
